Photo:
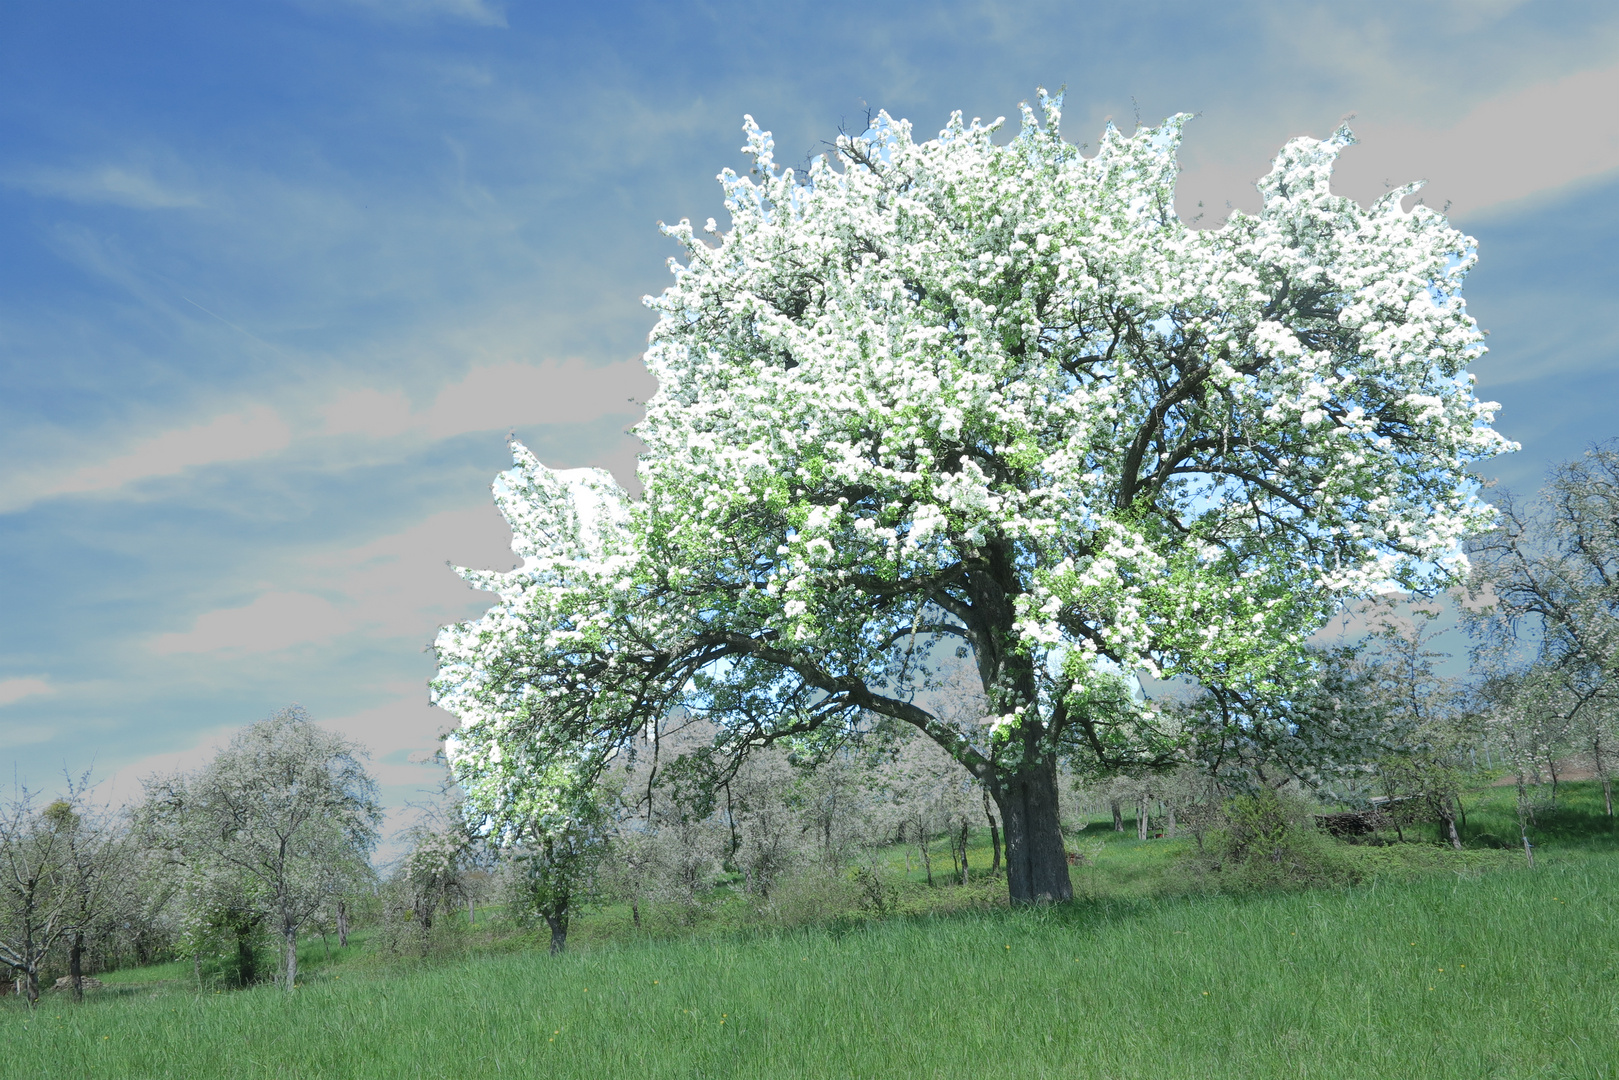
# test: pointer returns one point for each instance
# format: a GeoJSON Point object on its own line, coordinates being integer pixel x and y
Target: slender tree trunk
{"type": "Point", "coordinates": [291, 946]}
{"type": "Point", "coordinates": [922, 846]}
{"type": "Point", "coordinates": [1523, 829]}
{"type": "Point", "coordinates": [736, 841]}
{"type": "Point", "coordinates": [343, 924]}
{"type": "Point", "coordinates": [994, 836]}
{"type": "Point", "coordinates": [472, 910]}
{"type": "Point", "coordinates": [964, 850]}
{"type": "Point", "coordinates": [1455, 840]}
{"type": "Point", "coordinates": [635, 911]}
{"type": "Point", "coordinates": [1141, 818]}
{"type": "Point", "coordinates": [558, 922]}
{"type": "Point", "coordinates": [1171, 816]}
{"type": "Point", "coordinates": [75, 965]}
{"type": "Point", "coordinates": [1036, 862]}
{"type": "Point", "coordinates": [1118, 816]}
{"type": "Point", "coordinates": [1602, 774]}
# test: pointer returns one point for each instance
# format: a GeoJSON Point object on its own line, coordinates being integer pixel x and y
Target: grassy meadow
{"type": "Point", "coordinates": [1435, 965]}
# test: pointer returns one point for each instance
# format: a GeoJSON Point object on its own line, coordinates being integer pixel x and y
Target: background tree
{"type": "Point", "coordinates": [1549, 599]}
{"type": "Point", "coordinates": [1430, 762]}
{"type": "Point", "coordinates": [1328, 726]}
{"type": "Point", "coordinates": [551, 857]}
{"type": "Point", "coordinates": [771, 813]}
{"type": "Point", "coordinates": [282, 819]}
{"type": "Point", "coordinates": [440, 868]}
{"type": "Point", "coordinates": [95, 851]}
{"type": "Point", "coordinates": [1523, 720]}
{"type": "Point", "coordinates": [999, 396]}
{"type": "Point", "coordinates": [36, 902]}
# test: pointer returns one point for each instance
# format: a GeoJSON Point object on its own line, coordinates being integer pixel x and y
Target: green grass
{"type": "Point", "coordinates": [1432, 973]}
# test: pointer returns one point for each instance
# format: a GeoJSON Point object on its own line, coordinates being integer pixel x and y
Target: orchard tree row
{"type": "Point", "coordinates": [272, 836]}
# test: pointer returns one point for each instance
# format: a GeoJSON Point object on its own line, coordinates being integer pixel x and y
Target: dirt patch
{"type": "Point", "coordinates": [1567, 769]}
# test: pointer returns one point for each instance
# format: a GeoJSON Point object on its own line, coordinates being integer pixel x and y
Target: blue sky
{"type": "Point", "coordinates": [279, 277]}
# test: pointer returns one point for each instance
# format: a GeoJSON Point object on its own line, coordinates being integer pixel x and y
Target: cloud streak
{"type": "Point", "coordinates": [1531, 142]}
{"type": "Point", "coordinates": [479, 12]}
{"type": "Point", "coordinates": [14, 690]}
{"type": "Point", "coordinates": [115, 185]}
{"type": "Point", "coordinates": [495, 396]}
{"type": "Point", "coordinates": [239, 436]}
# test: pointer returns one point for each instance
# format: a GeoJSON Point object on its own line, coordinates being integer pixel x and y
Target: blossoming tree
{"type": "Point", "coordinates": [998, 396]}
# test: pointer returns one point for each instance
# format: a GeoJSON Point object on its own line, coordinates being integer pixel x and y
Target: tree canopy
{"type": "Point", "coordinates": [997, 395]}
{"type": "Point", "coordinates": [280, 821]}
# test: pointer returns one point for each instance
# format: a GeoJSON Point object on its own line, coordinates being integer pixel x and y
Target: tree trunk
{"type": "Point", "coordinates": [736, 840]}
{"type": "Point", "coordinates": [75, 965]}
{"type": "Point", "coordinates": [343, 924]}
{"type": "Point", "coordinates": [635, 911]}
{"type": "Point", "coordinates": [1141, 818]}
{"type": "Point", "coordinates": [927, 858]}
{"type": "Point", "coordinates": [1602, 774]}
{"type": "Point", "coordinates": [291, 937]}
{"type": "Point", "coordinates": [964, 850]}
{"type": "Point", "coordinates": [1036, 863]}
{"type": "Point", "coordinates": [1118, 816]}
{"type": "Point", "coordinates": [994, 836]}
{"type": "Point", "coordinates": [558, 922]}
{"type": "Point", "coordinates": [1448, 818]}
{"type": "Point", "coordinates": [1172, 821]}
{"type": "Point", "coordinates": [1523, 828]}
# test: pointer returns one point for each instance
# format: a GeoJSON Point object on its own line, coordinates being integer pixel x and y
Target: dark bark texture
{"type": "Point", "coordinates": [1036, 863]}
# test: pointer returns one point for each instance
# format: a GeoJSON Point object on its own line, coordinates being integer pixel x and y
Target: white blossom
{"type": "Point", "coordinates": [999, 392]}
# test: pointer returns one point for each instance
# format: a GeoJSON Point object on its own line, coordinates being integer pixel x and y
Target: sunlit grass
{"type": "Point", "coordinates": [1509, 974]}
{"type": "Point", "coordinates": [1431, 969]}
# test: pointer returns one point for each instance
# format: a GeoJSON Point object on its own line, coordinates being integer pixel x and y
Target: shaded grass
{"type": "Point", "coordinates": [1574, 820]}
{"type": "Point", "coordinates": [1343, 983]}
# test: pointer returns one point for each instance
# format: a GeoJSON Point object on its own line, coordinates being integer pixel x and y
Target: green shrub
{"type": "Point", "coordinates": [1269, 841]}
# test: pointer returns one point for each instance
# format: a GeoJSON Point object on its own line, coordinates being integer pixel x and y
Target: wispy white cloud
{"type": "Point", "coordinates": [1532, 141]}
{"type": "Point", "coordinates": [12, 690]}
{"type": "Point", "coordinates": [481, 12]}
{"type": "Point", "coordinates": [237, 436]}
{"type": "Point", "coordinates": [273, 621]}
{"type": "Point", "coordinates": [489, 397]}
{"type": "Point", "coordinates": [115, 184]}
{"type": "Point", "coordinates": [393, 587]}
{"type": "Point", "coordinates": [1481, 154]}
{"type": "Point", "coordinates": [497, 396]}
